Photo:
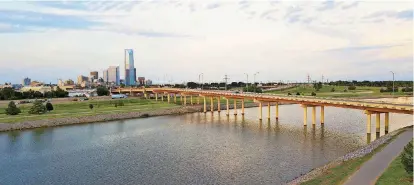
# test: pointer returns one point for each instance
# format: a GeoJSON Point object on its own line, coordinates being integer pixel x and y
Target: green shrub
{"type": "Point", "coordinates": [91, 106]}
{"type": "Point", "coordinates": [49, 106]}
{"type": "Point", "coordinates": [297, 94]}
{"type": "Point", "coordinates": [345, 90]}
{"type": "Point", "coordinates": [407, 158]}
{"type": "Point", "coordinates": [352, 87]}
{"type": "Point", "coordinates": [12, 109]}
{"type": "Point", "coordinates": [289, 94]}
{"type": "Point", "coordinates": [37, 108]}
{"type": "Point", "coordinates": [333, 89]}
{"type": "Point", "coordinates": [313, 94]}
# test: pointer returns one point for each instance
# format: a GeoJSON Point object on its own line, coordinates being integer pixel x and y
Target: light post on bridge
{"type": "Point", "coordinates": [247, 81]}
{"type": "Point", "coordinates": [254, 80]}
{"type": "Point", "coordinates": [392, 83]}
{"type": "Point", "coordinates": [202, 76]}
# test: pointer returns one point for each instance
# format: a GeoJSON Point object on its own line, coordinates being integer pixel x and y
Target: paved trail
{"type": "Point", "coordinates": [371, 170]}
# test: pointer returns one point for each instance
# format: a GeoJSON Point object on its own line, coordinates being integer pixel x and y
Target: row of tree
{"type": "Point", "coordinates": [8, 93]}
{"type": "Point", "coordinates": [37, 108]}
{"type": "Point", "coordinates": [372, 83]}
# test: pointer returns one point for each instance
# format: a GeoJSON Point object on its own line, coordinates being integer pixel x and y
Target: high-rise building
{"type": "Point", "coordinates": [148, 82]}
{"type": "Point", "coordinates": [113, 75]}
{"type": "Point", "coordinates": [26, 81]}
{"type": "Point", "coordinates": [141, 80]}
{"type": "Point", "coordinates": [105, 76]}
{"type": "Point", "coordinates": [82, 79]}
{"type": "Point", "coordinates": [130, 71]}
{"type": "Point", "coordinates": [94, 75]}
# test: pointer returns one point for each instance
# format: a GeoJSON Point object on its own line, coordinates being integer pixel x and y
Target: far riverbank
{"type": "Point", "coordinates": [109, 117]}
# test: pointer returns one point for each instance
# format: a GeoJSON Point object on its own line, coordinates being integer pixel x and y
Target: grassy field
{"type": "Point", "coordinates": [338, 174]}
{"type": "Point", "coordinates": [395, 174]}
{"type": "Point", "coordinates": [325, 91]}
{"type": "Point", "coordinates": [78, 109]}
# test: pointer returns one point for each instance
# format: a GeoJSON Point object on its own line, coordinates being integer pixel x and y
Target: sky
{"type": "Point", "coordinates": [178, 40]}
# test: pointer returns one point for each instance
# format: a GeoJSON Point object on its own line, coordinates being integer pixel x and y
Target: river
{"type": "Point", "coordinates": [193, 148]}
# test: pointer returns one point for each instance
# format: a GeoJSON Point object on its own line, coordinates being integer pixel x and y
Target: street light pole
{"type": "Point", "coordinates": [254, 78]}
{"type": "Point", "coordinates": [392, 83]}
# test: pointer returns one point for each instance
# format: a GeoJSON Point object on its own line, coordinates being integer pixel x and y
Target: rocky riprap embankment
{"type": "Point", "coordinates": [108, 117]}
{"type": "Point", "coordinates": [356, 154]}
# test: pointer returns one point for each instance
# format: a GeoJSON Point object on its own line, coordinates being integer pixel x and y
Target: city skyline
{"type": "Point", "coordinates": [281, 40]}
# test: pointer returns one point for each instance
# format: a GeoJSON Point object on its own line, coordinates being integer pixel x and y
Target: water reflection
{"type": "Point", "coordinates": [185, 149]}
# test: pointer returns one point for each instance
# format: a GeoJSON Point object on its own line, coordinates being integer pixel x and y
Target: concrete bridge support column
{"type": "Point", "coordinates": [235, 107]}
{"type": "Point", "coordinates": [175, 98]}
{"type": "Point", "coordinates": [242, 107]}
{"type": "Point", "coordinates": [156, 96]}
{"type": "Point", "coordinates": [322, 114]}
{"type": "Point", "coordinates": [212, 104]}
{"type": "Point", "coordinates": [198, 100]}
{"type": "Point", "coordinates": [260, 111]}
{"type": "Point", "coordinates": [377, 121]}
{"type": "Point", "coordinates": [185, 99]}
{"type": "Point", "coordinates": [205, 105]}
{"type": "Point", "coordinates": [268, 110]}
{"type": "Point", "coordinates": [313, 115]}
{"type": "Point", "coordinates": [228, 109]}
{"type": "Point", "coordinates": [305, 115]}
{"type": "Point", "coordinates": [218, 104]}
{"type": "Point", "coordinates": [181, 99]}
{"type": "Point", "coordinates": [168, 97]}
{"type": "Point", "coordinates": [145, 95]}
{"type": "Point", "coordinates": [369, 123]}
{"type": "Point", "coordinates": [162, 97]}
{"type": "Point", "coordinates": [387, 122]}
{"type": "Point", "coordinates": [191, 100]}
{"type": "Point", "coordinates": [277, 111]}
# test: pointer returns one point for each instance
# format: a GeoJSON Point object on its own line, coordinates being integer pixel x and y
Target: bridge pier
{"type": "Point", "coordinates": [368, 123]}
{"type": "Point", "coordinates": [387, 122]}
{"type": "Point", "coordinates": [305, 115]}
{"type": "Point", "coordinates": [377, 124]}
{"type": "Point", "coordinates": [313, 115]}
{"type": "Point", "coordinates": [212, 104]}
{"type": "Point", "coordinates": [162, 97]}
{"type": "Point", "coordinates": [268, 110]}
{"type": "Point", "coordinates": [260, 110]}
{"type": "Point", "coordinates": [322, 114]}
{"type": "Point", "coordinates": [205, 105]}
{"type": "Point", "coordinates": [242, 107]}
{"type": "Point", "coordinates": [277, 110]}
{"type": "Point", "coordinates": [218, 105]}
{"type": "Point", "coordinates": [156, 96]}
{"type": "Point", "coordinates": [228, 109]}
{"type": "Point", "coordinates": [181, 99]}
{"type": "Point", "coordinates": [198, 100]}
{"type": "Point", "coordinates": [168, 97]}
{"type": "Point", "coordinates": [175, 98]}
{"type": "Point", "coordinates": [235, 107]}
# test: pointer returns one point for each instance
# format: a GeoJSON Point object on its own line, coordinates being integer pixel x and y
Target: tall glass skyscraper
{"type": "Point", "coordinates": [130, 78]}
{"type": "Point", "coordinates": [112, 75]}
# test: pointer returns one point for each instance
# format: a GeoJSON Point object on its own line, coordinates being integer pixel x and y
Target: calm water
{"type": "Point", "coordinates": [187, 149]}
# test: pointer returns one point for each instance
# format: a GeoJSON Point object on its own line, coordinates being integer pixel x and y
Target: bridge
{"type": "Point", "coordinates": [369, 107]}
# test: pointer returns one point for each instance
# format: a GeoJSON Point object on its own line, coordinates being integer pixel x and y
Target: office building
{"type": "Point", "coordinates": [82, 79]}
{"type": "Point", "coordinates": [105, 76]}
{"type": "Point", "coordinates": [130, 77]}
{"type": "Point", "coordinates": [26, 81]}
{"type": "Point", "coordinates": [113, 75]}
{"type": "Point", "coordinates": [141, 80]}
{"type": "Point", "coordinates": [148, 82]}
{"type": "Point", "coordinates": [94, 75]}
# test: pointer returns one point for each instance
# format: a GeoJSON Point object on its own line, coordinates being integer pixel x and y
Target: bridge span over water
{"type": "Point", "coordinates": [369, 107]}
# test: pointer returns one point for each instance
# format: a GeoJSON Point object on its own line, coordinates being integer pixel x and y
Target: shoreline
{"type": "Point", "coordinates": [4, 127]}
{"type": "Point", "coordinates": [361, 152]}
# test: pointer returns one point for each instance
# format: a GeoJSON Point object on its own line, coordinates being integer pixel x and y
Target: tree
{"type": "Point", "coordinates": [407, 158]}
{"type": "Point", "coordinates": [37, 108]}
{"type": "Point", "coordinates": [317, 86]}
{"type": "Point", "coordinates": [352, 87]}
{"type": "Point", "coordinates": [297, 94]}
{"type": "Point", "coordinates": [12, 109]}
{"type": "Point", "coordinates": [91, 106]}
{"type": "Point", "coordinates": [102, 91]}
{"type": "Point", "coordinates": [122, 85]}
{"type": "Point", "coordinates": [192, 85]}
{"type": "Point", "coordinates": [49, 106]}
{"type": "Point", "coordinates": [333, 89]}
{"type": "Point", "coordinates": [313, 94]}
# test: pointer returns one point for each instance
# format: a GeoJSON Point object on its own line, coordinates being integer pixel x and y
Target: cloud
{"type": "Point", "coordinates": [213, 6]}
{"type": "Point", "coordinates": [328, 5]}
{"type": "Point", "coordinates": [292, 37]}
{"type": "Point", "coordinates": [404, 15]}
{"type": "Point", "coordinates": [27, 20]}
{"type": "Point", "coordinates": [354, 4]}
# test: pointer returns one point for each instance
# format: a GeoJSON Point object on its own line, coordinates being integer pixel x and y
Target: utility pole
{"type": "Point", "coordinates": [322, 78]}
{"type": "Point", "coordinates": [225, 79]}
{"type": "Point", "coordinates": [392, 83]}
